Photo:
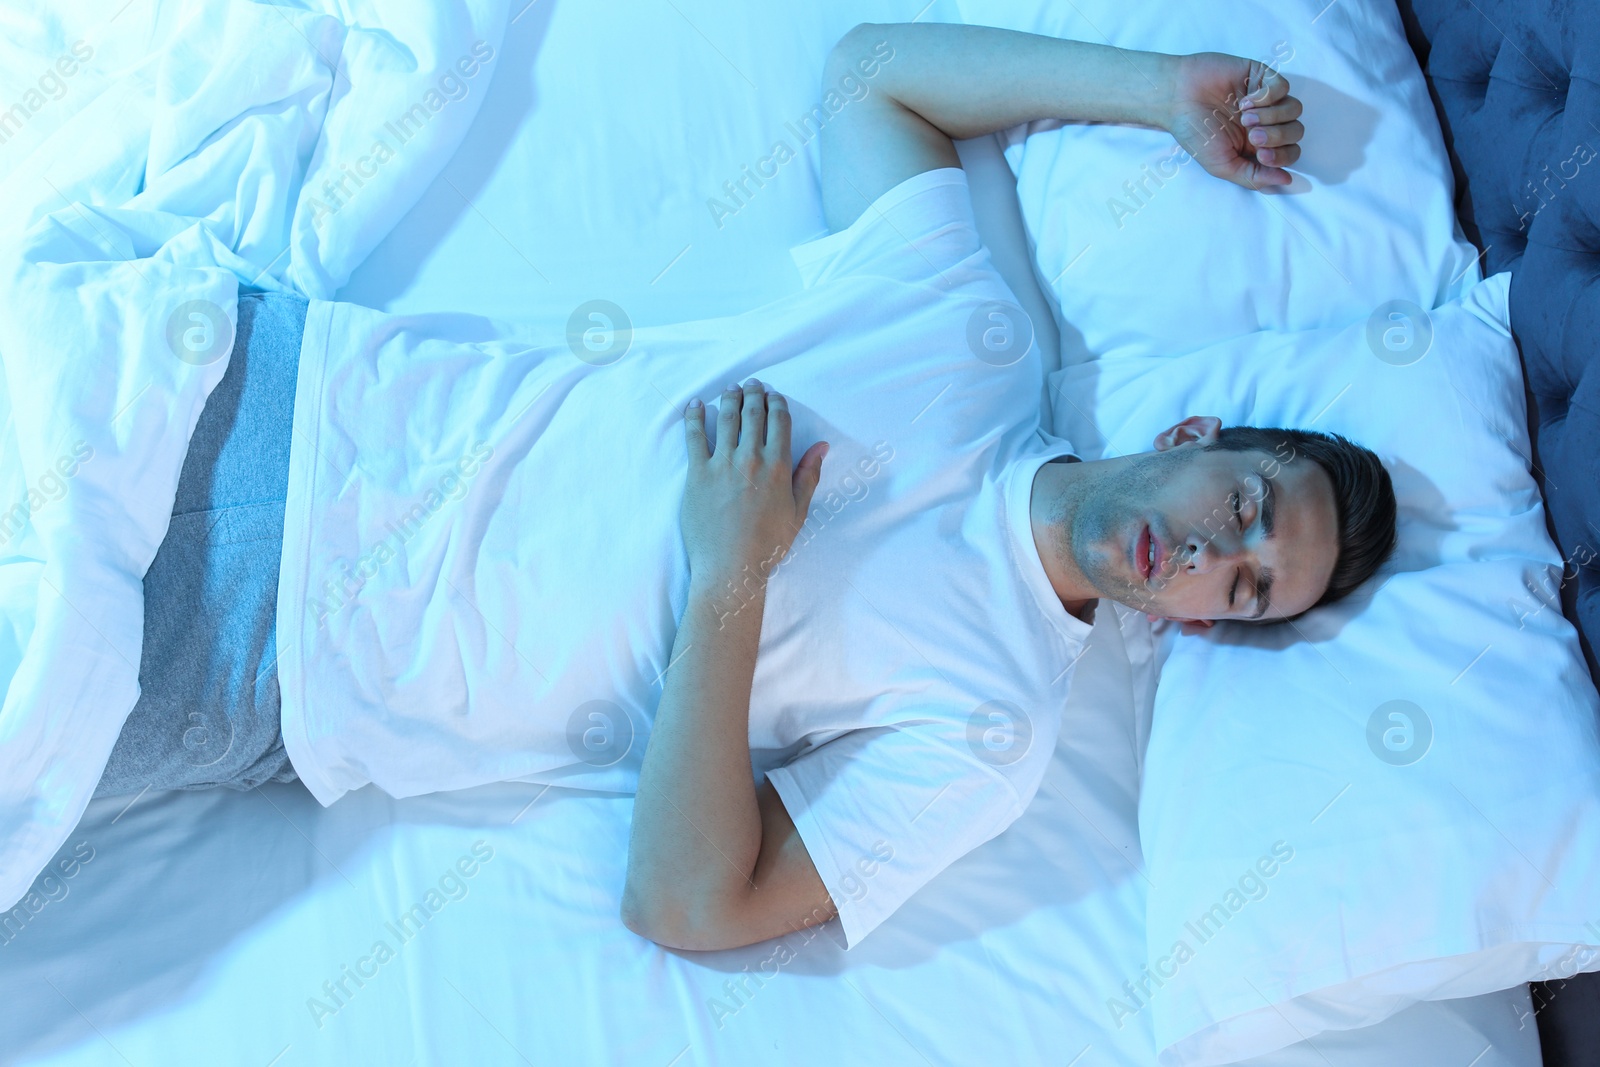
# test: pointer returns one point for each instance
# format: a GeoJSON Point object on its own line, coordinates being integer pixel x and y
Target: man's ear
{"type": "Point", "coordinates": [1187, 627]}
{"type": "Point", "coordinates": [1201, 428]}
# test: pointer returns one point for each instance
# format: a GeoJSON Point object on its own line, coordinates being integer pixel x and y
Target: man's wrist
{"type": "Point", "coordinates": [1163, 76]}
{"type": "Point", "coordinates": [729, 591]}
{"type": "Point", "coordinates": [1104, 83]}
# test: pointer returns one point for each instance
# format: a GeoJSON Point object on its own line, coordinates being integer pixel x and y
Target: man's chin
{"type": "Point", "coordinates": [1111, 578]}
{"type": "Point", "coordinates": [1153, 611]}
{"type": "Point", "coordinates": [1131, 600]}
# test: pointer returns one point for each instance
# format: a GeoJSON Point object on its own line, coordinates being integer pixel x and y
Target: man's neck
{"type": "Point", "coordinates": [1051, 537]}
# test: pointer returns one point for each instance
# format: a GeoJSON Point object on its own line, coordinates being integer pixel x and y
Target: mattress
{"type": "Point", "coordinates": [262, 928]}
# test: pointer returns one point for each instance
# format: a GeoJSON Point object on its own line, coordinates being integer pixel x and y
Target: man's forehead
{"type": "Point", "coordinates": [1306, 547]}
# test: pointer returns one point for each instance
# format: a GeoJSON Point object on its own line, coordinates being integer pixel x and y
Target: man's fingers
{"type": "Point", "coordinates": [806, 477]}
{"type": "Point", "coordinates": [694, 431]}
{"type": "Point", "coordinates": [1265, 90]}
{"type": "Point", "coordinates": [1255, 176]}
{"type": "Point", "coordinates": [728, 421]}
{"type": "Point", "coordinates": [1286, 110]}
{"type": "Point", "coordinates": [1264, 176]}
{"type": "Point", "coordinates": [778, 427]}
{"type": "Point", "coordinates": [753, 420]}
{"type": "Point", "coordinates": [1279, 157]}
{"type": "Point", "coordinates": [1277, 136]}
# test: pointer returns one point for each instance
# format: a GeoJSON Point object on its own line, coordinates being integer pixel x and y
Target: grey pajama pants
{"type": "Point", "coordinates": [207, 713]}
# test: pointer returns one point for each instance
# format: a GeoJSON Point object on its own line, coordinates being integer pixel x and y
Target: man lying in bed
{"type": "Point", "coordinates": [474, 560]}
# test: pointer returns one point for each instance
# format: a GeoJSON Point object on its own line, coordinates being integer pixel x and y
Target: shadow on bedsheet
{"type": "Point", "coordinates": [1343, 125]}
{"type": "Point", "coordinates": [452, 193]}
{"type": "Point", "coordinates": [171, 895]}
{"type": "Point", "coordinates": [140, 919]}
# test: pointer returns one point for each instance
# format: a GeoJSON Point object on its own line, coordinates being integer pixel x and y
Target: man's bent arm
{"type": "Point", "coordinates": [931, 83]}
{"type": "Point", "coordinates": [944, 82]}
{"type": "Point", "coordinates": [713, 861]}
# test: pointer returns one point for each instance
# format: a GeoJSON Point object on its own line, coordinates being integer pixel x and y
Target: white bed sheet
{"type": "Point", "coordinates": [531, 219]}
{"type": "Point", "coordinates": [204, 925]}
{"type": "Point", "coordinates": [200, 926]}
{"type": "Point", "coordinates": [208, 927]}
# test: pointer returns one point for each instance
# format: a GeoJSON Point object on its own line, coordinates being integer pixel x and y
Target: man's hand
{"type": "Point", "coordinates": [744, 503]}
{"type": "Point", "coordinates": [1236, 117]}
{"type": "Point", "coordinates": [713, 862]}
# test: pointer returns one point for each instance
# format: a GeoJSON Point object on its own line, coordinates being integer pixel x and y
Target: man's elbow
{"type": "Point", "coordinates": [649, 923]}
{"type": "Point", "coordinates": [676, 926]}
{"type": "Point", "coordinates": [857, 35]}
{"type": "Point", "coordinates": [860, 53]}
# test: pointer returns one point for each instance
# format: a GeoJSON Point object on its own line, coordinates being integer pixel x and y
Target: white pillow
{"type": "Point", "coordinates": [1188, 260]}
{"type": "Point", "coordinates": [1446, 852]}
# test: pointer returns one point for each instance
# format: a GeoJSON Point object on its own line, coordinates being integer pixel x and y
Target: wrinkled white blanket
{"type": "Point", "coordinates": [259, 144]}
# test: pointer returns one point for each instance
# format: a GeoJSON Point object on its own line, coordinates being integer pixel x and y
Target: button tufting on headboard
{"type": "Point", "coordinates": [1517, 86]}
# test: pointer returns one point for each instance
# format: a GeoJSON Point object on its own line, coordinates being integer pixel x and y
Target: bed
{"type": "Point", "coordinates": [237, 928]}
{"type": "Point", "coordinates": [1514, 85]}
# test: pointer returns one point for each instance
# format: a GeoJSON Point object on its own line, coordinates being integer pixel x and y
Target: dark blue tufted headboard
{"type": "Point", "coordinates": [1517, 87]}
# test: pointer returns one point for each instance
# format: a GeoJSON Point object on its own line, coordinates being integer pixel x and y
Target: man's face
{"type": "Point", "coordinates": [1196, 535]}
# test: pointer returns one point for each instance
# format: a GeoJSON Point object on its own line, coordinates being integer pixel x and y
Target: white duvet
{"type": "Point", "coordinates": [259, 145]}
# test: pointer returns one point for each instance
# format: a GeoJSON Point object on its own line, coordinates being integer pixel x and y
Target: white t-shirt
{"type": "Point", "coordinates": [483, 570]}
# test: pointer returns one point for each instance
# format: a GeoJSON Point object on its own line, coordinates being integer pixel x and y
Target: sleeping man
{"type": "Point", "coordinates": [417, 553]}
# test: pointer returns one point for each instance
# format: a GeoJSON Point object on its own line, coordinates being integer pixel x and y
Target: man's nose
{"type": "Point", "coordinates": [1207, 554]}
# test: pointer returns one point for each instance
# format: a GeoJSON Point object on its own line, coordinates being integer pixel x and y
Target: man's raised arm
{"type": "Point", "coordinates": [935, 82]}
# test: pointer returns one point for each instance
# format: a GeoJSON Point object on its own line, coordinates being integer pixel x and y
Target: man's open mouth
{"type": "Point", "coordinates": [1148, 555]}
